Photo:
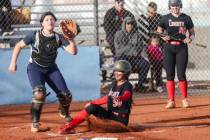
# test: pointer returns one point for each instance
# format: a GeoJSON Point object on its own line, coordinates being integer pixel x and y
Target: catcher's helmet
{"type": "Point", "coordinates": [174, 2]}
{"type": "Point", "coordinates": [122, 66]}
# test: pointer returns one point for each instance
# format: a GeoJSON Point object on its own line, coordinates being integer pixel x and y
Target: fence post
{"type": "Point", "coordinates": [96, 22]}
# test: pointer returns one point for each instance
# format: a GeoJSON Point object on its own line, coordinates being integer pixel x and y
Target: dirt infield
{"type": "Point", "coordinates": [149, 117]}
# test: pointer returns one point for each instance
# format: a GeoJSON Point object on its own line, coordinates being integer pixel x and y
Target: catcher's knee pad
{"type": "Point", "coordinates": [65, 98]}
{"type": "Point", "coordinates": [39, 94]}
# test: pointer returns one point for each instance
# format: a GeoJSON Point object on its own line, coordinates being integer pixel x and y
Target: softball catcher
{"type": "Point", "coordinates": [118, 101]}
{"type": "Point", "coordinates": [42, 67]}
{"type": "Point", "coordinates": [180, 26]}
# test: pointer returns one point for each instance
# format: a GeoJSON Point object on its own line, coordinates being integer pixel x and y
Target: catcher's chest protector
{"type": "Point", "coordinates": [45, 52]}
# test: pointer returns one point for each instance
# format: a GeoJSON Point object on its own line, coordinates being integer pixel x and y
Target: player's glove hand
{"type": "Point", "coordinates": [69, 28]}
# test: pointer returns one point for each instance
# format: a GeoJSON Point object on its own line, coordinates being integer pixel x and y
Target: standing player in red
{"type": "Point", "coordinates": [180, 26]}
{"type": "Point", "coordinates": [118, 100]}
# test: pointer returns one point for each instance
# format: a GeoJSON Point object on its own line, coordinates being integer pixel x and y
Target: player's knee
{"type": "Point", "coordinates": [65, 98]}
{"type": "Point", "coordinates": [91, 108]}
{"type": "Point", "coordinates": [170, 77]}
{"type": "Point", "coordinates": [39, 94]}
{"type": "Point", "coordinates": [181, 77]}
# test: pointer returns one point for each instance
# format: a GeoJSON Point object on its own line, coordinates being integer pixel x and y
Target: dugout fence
{"type": "Point", "coordinates": [23, 16]}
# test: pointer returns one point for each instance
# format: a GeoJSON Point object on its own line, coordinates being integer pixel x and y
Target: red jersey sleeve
{"type": "Point", "coordinates": [126, 95]}
{"type": "Point", "coordinates": [100, 101]}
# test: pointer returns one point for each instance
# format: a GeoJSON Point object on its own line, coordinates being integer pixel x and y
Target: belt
{"type": "Point", "coordinates": [175, 43]}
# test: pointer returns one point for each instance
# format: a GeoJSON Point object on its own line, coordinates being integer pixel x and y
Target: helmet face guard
{"type": "Point", "coordinates": [174, 3]}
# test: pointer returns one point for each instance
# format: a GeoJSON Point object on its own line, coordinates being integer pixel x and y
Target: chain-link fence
{"type": "Point", "coordinates": [99, 22]}
{"type": "Point", "coordinates": [148, 62]}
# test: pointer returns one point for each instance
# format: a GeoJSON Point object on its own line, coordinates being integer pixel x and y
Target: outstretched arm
{"type": "Point", "coordinates": [72, 47]}
{"type": "Point", "coordinates": [15, 54]}
{"type": "Point", "coordinates": [100, 101]}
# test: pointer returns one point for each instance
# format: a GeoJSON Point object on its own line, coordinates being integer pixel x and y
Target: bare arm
{"type": "Point", "coordinates": [190, 35]}
{"type": "Point", "coordinates": [15, 54]}
{"type": "Point", "coordinates": [72, 47]}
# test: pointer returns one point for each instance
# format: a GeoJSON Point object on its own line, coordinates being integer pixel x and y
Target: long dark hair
{"type": "Point", "coordinates": [47, 14]}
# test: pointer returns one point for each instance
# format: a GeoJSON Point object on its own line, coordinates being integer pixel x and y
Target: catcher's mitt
{"type": "Point", "coordinates": [106, 126]}
{"type": "Point", "coordinates": [69, 28]}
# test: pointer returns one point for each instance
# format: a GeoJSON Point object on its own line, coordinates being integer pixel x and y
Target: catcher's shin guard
{"type": "Point", "coordinates": [36, 109]}
{"type": "Point", "coordinates": [39, 94]}
{"type": "Point", "coordinates": [65, 99]}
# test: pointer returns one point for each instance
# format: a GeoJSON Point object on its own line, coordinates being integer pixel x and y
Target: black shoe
{"type": "Point", "coordinates": [64, 115]}
{"type": "Point", "coordinates": [68, 118]}
{"type": "Point", "coordinates": [35, 127]}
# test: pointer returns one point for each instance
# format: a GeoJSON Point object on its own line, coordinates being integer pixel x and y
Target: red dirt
{"type": "Point", "coordinates": [149, 117]}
